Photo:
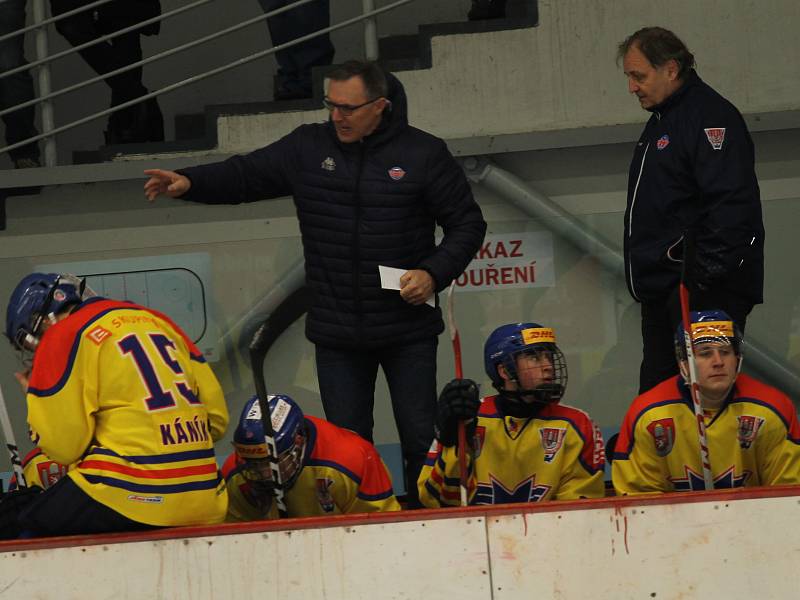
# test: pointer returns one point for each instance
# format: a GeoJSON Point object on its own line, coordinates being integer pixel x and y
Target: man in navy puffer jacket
{"type": "Point", "coordinates": [692, 170]}
{"type": "Point", "coordinates": [369, 190]}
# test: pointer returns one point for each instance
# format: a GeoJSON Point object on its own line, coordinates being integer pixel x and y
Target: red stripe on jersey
{"type": "Point", "coordinates": [103, 465]}
{"type": "Point", "coordinates": [30, 456]}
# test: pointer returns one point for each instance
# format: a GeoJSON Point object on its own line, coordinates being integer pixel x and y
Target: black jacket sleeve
{"type": "Point", "coordinates": [450, 199]}
{"type": "Point", "coordinates": [265, 173]}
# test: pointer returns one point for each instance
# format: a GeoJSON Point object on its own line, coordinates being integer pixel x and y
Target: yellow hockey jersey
{"type": "Point", "coordinates": [120, 390]}
{"type": "Point", "coordinates": [342, 474]}
{"type": "Point", "coordinates": [754, 439]}
{"type": "Point", "coordinates": [556, 455]}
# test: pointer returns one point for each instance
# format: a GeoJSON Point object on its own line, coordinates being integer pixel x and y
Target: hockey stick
{"type": "Point", "coordinates": [462, 434]}
{"type": "Point", "coordinates": [11, 443]}
{"type": "Point", "coordinates": [688, 256]}
{"type": "Point", "coordinates": [258, 352]}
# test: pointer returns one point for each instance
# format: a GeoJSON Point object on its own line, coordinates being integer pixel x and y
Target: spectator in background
{"type": "Point", "coordinates": [141, 122]}
{"type": "Point", "coordinates": [293, 79]}
{"type": "Point", "coordinates": [17, 88]}
{"type": "Point", "coordinates": [692, 169]}
{"type": "Point", "coordinates": [369, 190]}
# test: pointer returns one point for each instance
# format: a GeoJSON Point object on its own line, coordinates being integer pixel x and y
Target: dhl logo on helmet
{"type": "Point", "coordinates": [709, 331]}
{"type": "Point", "coordinates": [538, 335]}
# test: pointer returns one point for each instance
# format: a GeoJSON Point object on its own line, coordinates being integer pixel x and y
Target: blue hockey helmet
{"type": "Point", "coordinates": [710, 326]}
{"type": "Point", "coordinates": [507, 342]}
{"type": "Point", "coordinates": [288, 423]}
{"type": "Point", "coordinates": [37, 297]}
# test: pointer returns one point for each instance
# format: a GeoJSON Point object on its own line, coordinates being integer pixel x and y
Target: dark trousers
{"type": "Point", "coordinates": [65, 509]}
{"type": "Point", "coordinates": [660, 322]}
{"type": "Point", "coordinates": [347, 387]}
{"type": "Point", "coordinates": [16, 88]}
{"type": "Point", "coordinates": [295, 63]}
{"type": "Point", "coordinates": [103, 57]}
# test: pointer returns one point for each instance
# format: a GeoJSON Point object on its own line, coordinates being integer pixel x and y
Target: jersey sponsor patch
{"type": "Point", "coordinates": [715, 135]}
{"type": "Point", "coordinates": [324, 496]}
{"type": "Point", "coordinates": [662, 142]}
{"type": "Point", "coordinates": [552, 440]}
{"type": "Point", "coordinates": [146, 499]}
{"type": "Point", "coordinates": [98, 334]}
{"type": "Point", "coordinates": [50, 472]}
{"type": "Point", "coordinates": [397, 173]}
{"type": "Point", "coordinates": [747, 429]}
{"type": "Point", "coordinates": [663, 432]}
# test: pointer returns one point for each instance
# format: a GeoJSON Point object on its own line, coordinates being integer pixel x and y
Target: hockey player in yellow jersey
{"type": "Point", "coordinates": [751, 428]}
{"type": "Point", "coordinates": [524, 446]}
{"type": "Point", "coordinates": [118, 392]}
{"type": "Point", "coordinates": [325, 469]}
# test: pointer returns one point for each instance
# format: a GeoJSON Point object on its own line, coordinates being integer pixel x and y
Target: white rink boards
{"type": "Point", "coordinates": [741, 544]}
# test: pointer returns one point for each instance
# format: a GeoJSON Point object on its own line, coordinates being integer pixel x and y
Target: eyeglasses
{"type": "Point", "coordinates": [345, 109]}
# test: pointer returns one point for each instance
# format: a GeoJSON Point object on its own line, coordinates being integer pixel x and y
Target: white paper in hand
{"type": "Point", "coordinates": [390, 280]}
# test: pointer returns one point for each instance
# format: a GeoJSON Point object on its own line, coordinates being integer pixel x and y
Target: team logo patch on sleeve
{"type": "Point", "coordinates": [397, 173]}
{"type": "Point", "coordinates": [50, 472]}
{"type": "Point", "coordinates": [663, 432]}
{"type": "Point", "coordinates": [748, 429]}
{"type": "Point", "coordinates": [715, 135]}
{"type": "Point", "coordinates": [662, 142]}
{"type": "Point", "coordinates": [98, 334]}
{"type": "Point", "coordinates": [324, 494]}
{"type": "Point", "coordinates": [552, 440]}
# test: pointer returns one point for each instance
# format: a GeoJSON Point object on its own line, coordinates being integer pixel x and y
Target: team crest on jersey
{"type": "Point", "coordinates": [662, 142]}
{"type": "Point", "coordinates": [552, 440]}
{"type": "Point", "coordinates": [98, 334]}
{"type": "Point", "coordinates": [748, 429]}
{"type": "Point", "coordinates": [397, 173]}
{"type": "Point", "coordinates": [715, 135]}
{"type": "Point", "coordinates": [329, 164]}
{"type": "Point", "coordinates": [50, 472]}
{"type": "Point", "coordinates": [477, 441]}
{"type": "Point", "coordinates": [663, 432]}
{"type": "Point", "coordinates": [324, 494]}
{"type": "Point", "coordinates": [495, 492]}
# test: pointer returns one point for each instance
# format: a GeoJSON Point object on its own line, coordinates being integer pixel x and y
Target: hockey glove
{"type": "Point", "coordinates": [11, 505]}
{"type": "Point", "coordinates": [459, 401]}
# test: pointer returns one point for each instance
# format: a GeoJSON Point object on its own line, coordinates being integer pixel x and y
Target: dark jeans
{"type": "Point", "coordinates": [347, 387]}
{"type": "Point", "coordinates": [16, 88]}
{"type": "Point", "coordinates": [660, 322]}
{"type": "Point", "coordinates": [65, 509]}
{"type": "Point", "coordinates": [295, 63]}
{"type": "Point", "coordinates": [103, 57]}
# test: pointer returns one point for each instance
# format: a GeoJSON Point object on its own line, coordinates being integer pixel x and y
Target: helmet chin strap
{"type": "Point", "coordinates": [527, 403]}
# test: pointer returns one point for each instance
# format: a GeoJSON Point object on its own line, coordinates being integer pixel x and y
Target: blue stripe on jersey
{"type": "Point", "coordinates": [433, 491]}
{"type": "Point", "coordinates": [170, 488]}
{"type": "Point", "coordinates": [315, 462]}
{"type": "Point", "coordinates": [370, 497]}
{"type": "Point", "coordinates": [157, 459]}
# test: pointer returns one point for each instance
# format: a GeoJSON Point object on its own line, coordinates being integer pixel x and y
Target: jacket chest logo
{"type": "Point", "coordinates": [662, 142]}
{"type": "Point", "coordinates": [715, 135]}
{"type": "Point", "coordinates": [328, 164]}
{"type": "Point", "coordinates": [397, 173]}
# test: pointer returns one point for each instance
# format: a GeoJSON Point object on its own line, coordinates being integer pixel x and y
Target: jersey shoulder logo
{"type": "Point", "coordinates": [552, 440]}
{"type": "Point", "coordinates": [715, 135]}
{"type": "Point", "coordinates": [663, 432]}
{"type": "Point", "coordinates": [747, 429]}
{"type": "Point", "coordinates": [98, 334]}
{"type": "Point", "coordinates": [662, 142]}
{"type": "Point", "coordinates": [50, 472]}
{"type": "Point", "coordinates": [324, 496]}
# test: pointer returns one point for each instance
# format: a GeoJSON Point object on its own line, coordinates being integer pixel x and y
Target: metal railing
{"type": "Point", "coordinates": [41, 64]}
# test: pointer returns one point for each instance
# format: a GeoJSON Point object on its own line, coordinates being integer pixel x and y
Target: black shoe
{"type": "Point", "coordinates": [487, 9]}
{"type": "Point", "coordinates": [136, 124]}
